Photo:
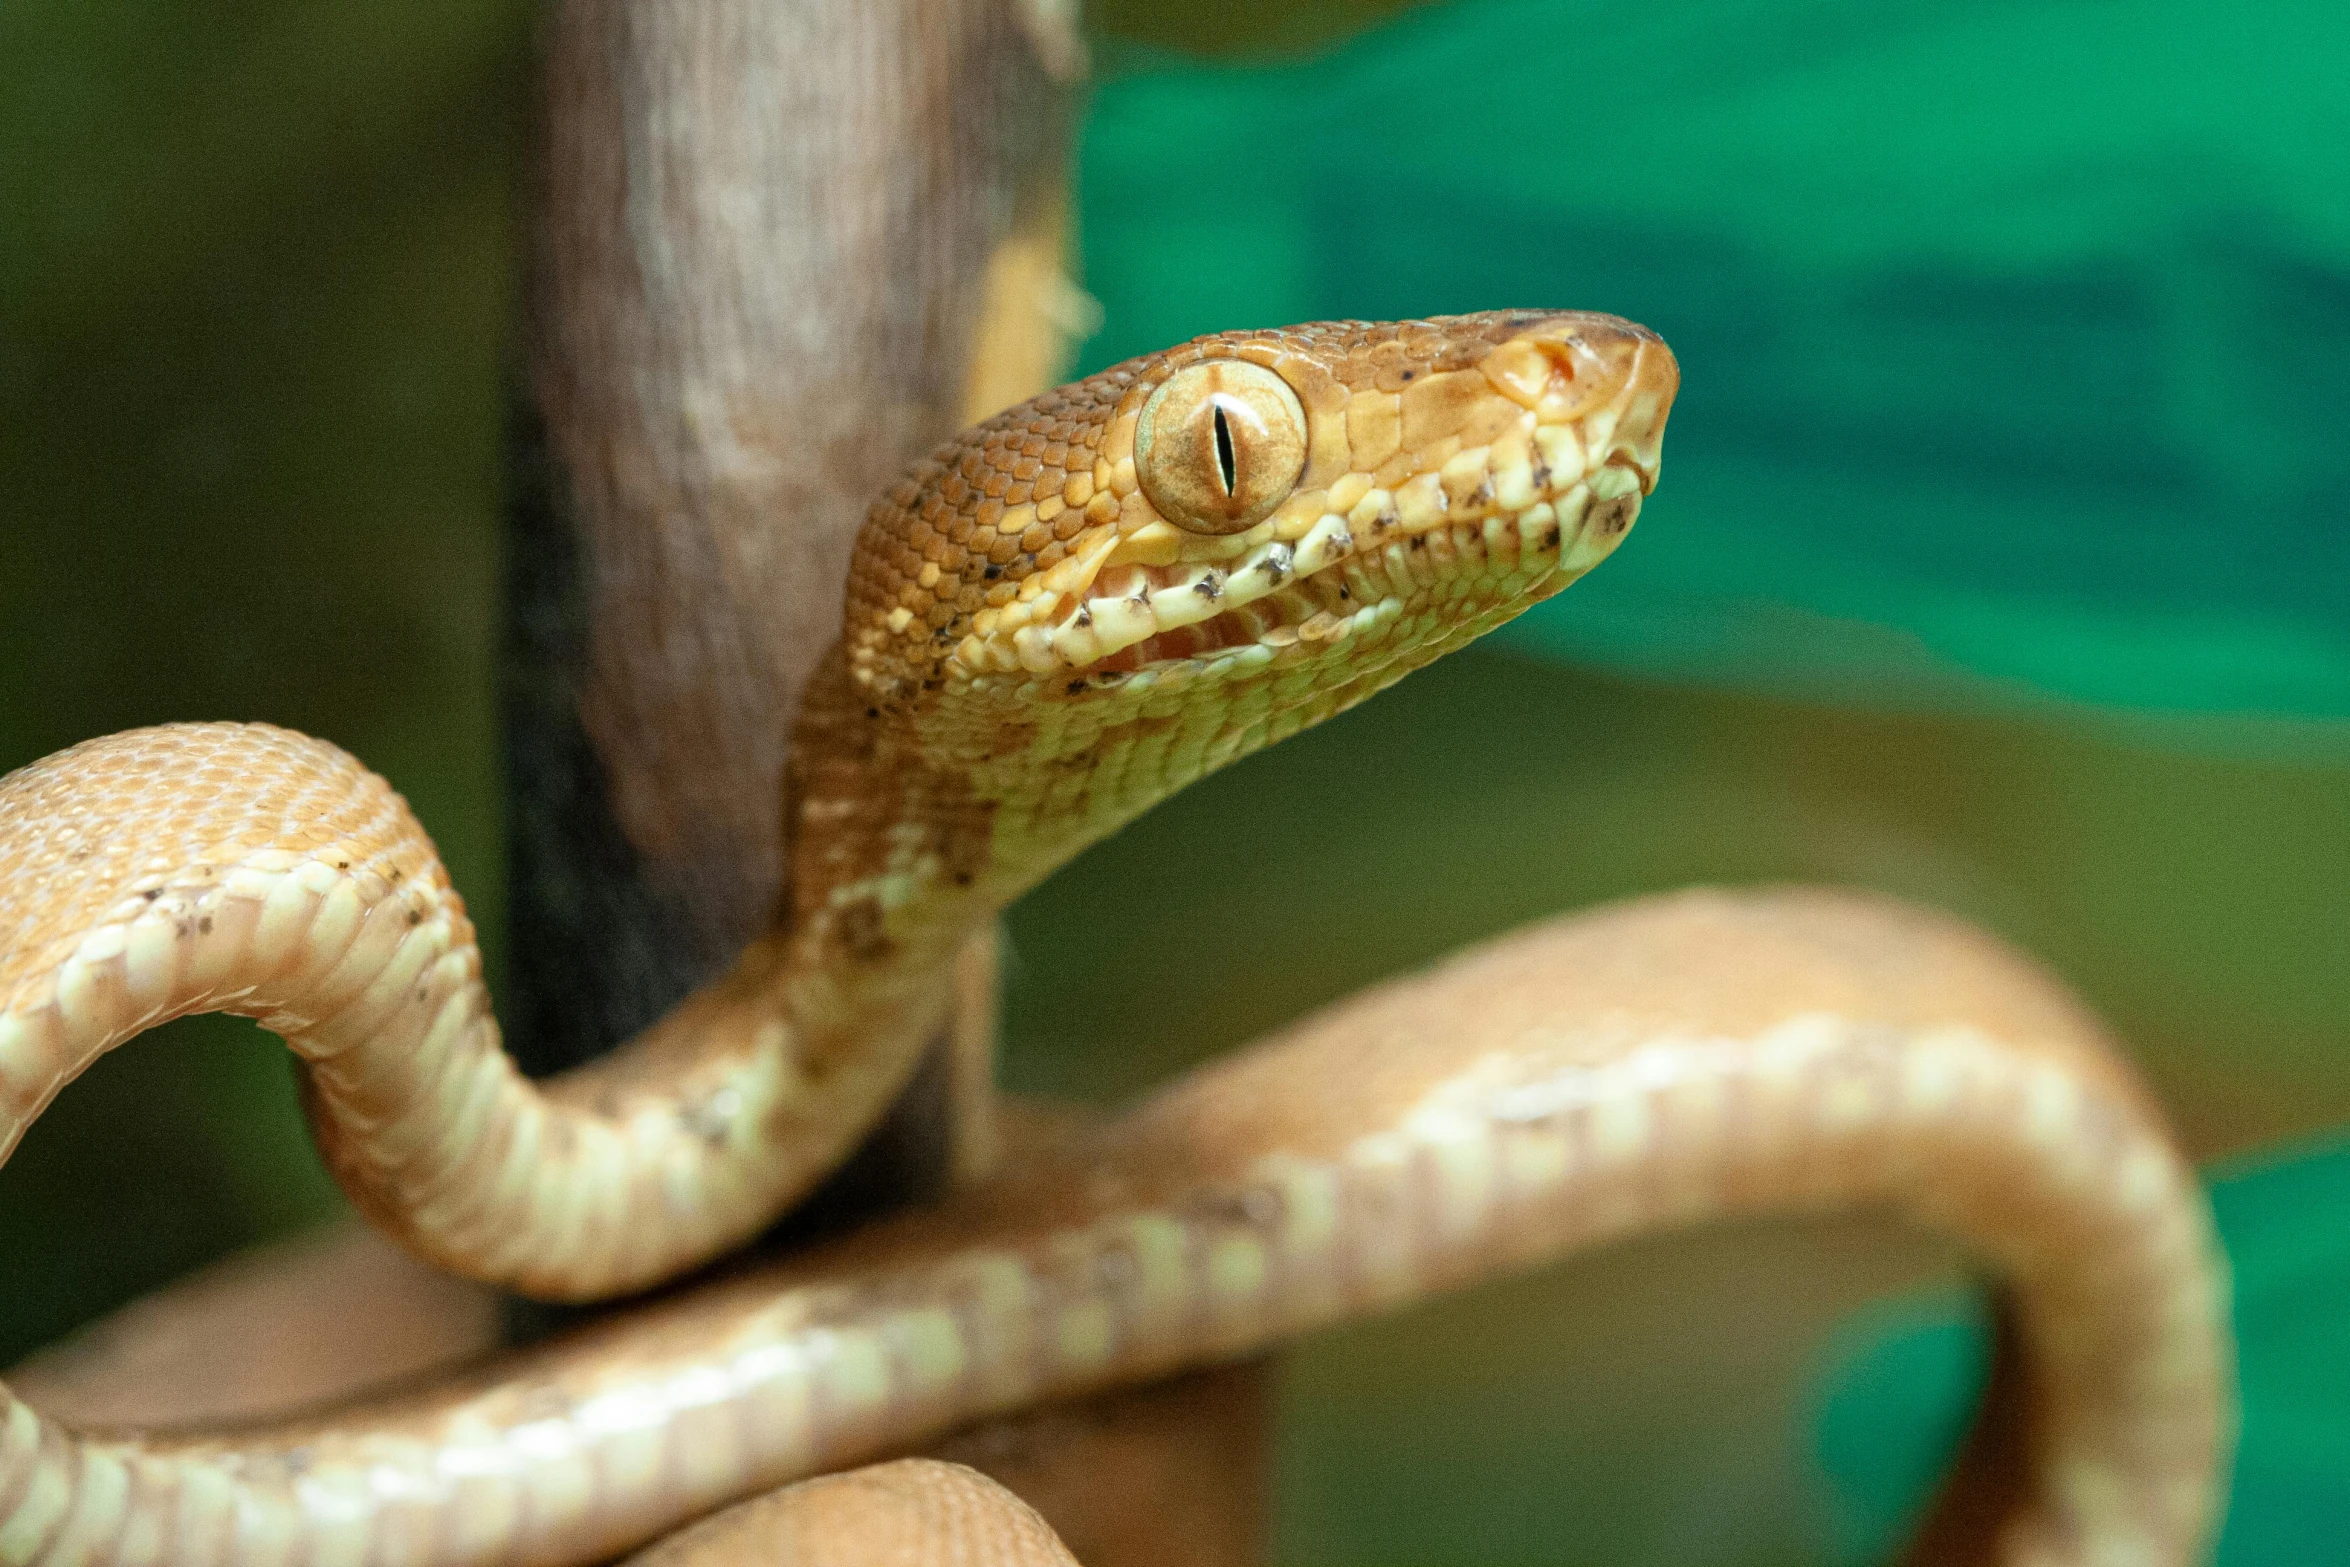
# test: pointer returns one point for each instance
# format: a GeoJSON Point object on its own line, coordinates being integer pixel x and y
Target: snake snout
{"type": "Point", "coordinates": [1613, 378]}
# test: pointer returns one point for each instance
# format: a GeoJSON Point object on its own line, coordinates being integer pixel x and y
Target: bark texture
{"type": "Point", "coordinates": [764, 241]}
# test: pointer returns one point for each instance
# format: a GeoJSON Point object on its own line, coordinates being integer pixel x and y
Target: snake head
{"type": "Point", "coordinates": [1232, 539]}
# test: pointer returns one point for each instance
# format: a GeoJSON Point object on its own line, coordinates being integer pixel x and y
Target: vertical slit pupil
{"type": "Point", "coordinates": [1225, 465]}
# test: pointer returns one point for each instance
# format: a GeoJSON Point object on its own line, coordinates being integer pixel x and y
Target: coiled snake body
{"type": "Point", "coordinates": [1073, 610]}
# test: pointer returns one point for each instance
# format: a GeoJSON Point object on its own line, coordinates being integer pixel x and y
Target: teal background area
{"type": "Point", "coordinates": [2012, 333]}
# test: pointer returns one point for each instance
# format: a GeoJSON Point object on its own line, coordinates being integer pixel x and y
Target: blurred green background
{"type": "Point", "coordinates": [2002, 561]}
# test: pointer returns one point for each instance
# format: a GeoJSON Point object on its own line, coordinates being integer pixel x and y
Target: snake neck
{"type": "Point", "coordinates": [889, 868]}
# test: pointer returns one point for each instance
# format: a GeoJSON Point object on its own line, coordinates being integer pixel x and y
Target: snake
{"type": "Point", "coordinates": [1051, 623]}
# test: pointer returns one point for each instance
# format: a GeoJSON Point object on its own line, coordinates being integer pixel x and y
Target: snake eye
{"type": "Point", "coordinates": [1219, 445]}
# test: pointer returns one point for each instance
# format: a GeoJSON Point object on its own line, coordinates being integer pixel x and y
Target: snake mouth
{"type": "Point", "coordinates": [1508, 534]}
{"type": "Point", "coordinates": [1344, 578]}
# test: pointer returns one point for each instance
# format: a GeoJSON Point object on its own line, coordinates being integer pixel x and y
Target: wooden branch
{"type": "Point", "coordinates": [763, 244]}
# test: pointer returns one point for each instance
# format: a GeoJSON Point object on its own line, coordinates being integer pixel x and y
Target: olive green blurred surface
{"type": "Point", "coordinates": [2002, 561]}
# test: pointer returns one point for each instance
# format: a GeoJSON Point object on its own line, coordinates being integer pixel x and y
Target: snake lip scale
{"type": "Point", "coordinates": [1053, 622]}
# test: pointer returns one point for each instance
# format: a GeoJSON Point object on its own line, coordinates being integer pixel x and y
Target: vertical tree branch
{"type": "Point", "coordinates": [761, 247]}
